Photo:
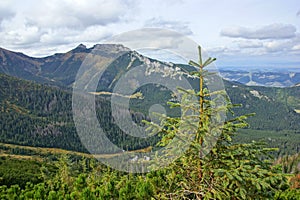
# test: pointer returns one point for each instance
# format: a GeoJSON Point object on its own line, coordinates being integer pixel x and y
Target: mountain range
{"type": "Point", "coordinates": [35, 101]}
{"type": "Point", "coordinates": [270, 77]}
{"type": "Point", "coordinates": [61, 68]}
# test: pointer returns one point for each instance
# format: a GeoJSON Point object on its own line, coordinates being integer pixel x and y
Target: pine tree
{"type": "Point", "coordinates": [213, 167]}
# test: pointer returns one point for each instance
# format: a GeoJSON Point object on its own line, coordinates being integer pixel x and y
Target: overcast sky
{"type": "Point", "coordinates": [237, 32]}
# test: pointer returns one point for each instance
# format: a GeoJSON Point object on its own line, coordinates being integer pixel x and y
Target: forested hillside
{"type": "Point", "coordinates": [38, 115]}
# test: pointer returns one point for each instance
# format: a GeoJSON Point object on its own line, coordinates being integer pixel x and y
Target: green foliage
{"type": "Point", "coordinates": [15, 171]}
{"type": "Point", "coordinates": [101, 182]}
{"type": "Point", "coordinates": [290, 194]}
{"type": "Point", "coordinates": [227, 170]}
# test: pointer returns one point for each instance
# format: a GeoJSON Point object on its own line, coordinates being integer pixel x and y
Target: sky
{"type": "Point", "coordinates": [237, 32]}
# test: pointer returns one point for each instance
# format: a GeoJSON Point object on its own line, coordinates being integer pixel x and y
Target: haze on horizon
{"type": "Point", "coordinates": [238, 33]}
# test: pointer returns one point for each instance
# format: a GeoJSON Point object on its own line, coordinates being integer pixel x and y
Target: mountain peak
{"type": "Point", "coordinates": [81, 48]}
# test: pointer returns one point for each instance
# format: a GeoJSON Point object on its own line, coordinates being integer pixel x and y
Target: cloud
{"type": "Point", "coordinates": [19, 32]}
{"type": "Point", "coordinates": [280, 46]}
{"type": "Point", "coordinates": [76, 14]}
{"type": "Point", "coordinates": [58, 22]}
{"type": "Point", "coordinates": [248, 44]}
{"type": "Point", "coordinates": [253, 49]}
{"type": "Point", "coordinates": [298, 13]}
{"type": "Point", "coordinates": [249, 47]}
{"type": "Point", "coordinates": [277, 46]}
{"type": "Point", "coordinates": [66, 35]}
{"type": "Point", "coordinates": [5, 10]}
{"type": "Point", "coordinates": [150, 37]}
{"type": "Point", "coordinates": [181, 27]}
{"type": "Point", "coordinates": [221, 51]}
{"type": "Point", "coordinates": [4, 14]}
{"type": "Point", "coordinates": [296, 47]}
{"type": "Point", "coordinates": [273, 31]}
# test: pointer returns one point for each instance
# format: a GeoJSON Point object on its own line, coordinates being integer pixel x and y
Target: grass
{"type": "Point", "coordinates": [37, 153]}
{"type": "Point", "coordinates": [21, 157]}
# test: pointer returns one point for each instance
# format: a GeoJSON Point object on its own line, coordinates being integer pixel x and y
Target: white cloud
{"type": "Point", "coordinates": [277, 46]}
{"type": "Point", "coordinates": [150, 37]}
{"type": "Point", "coordinates": [67, 36]}
{"type": "Point", "coordinates": [57, 36]}
{"type": "Point", "coordinates": [41, 27]}
{"type": "Point", "coordinates": [66, 13]}
{"type": "Point", "coordinates": [17, 31]}
{"type": "Point", "coordinates": [296, 47]}
{"type": "Point", "coordinates": [249, 44]}
{"type": "Point", "coordinates": [220, 50]}
{"type": "Point", "coordinates": [273, 31]}
{"type": "Point", "coordinates": [57, 22]}
{"type": "Point", "coordinates": [287, 46]}
{"type": "Point", "coordinates": [76, 14]}
{"type": "Point", "coordinates": [91, 34]}
{"type": "Point", "coordinates": [5, 10]}
{"type": "Point", "coordinates": [255, 50]}
{"type": "Point", "coordinates": [4, 14]}
{"type": "Point", "coordinates": [178, 26]}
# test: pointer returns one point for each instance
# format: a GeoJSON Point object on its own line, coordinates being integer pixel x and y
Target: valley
{"type": "Point", "coordinates": [42, 155]}
{"type": "Point", "coordinates": [39, 113]}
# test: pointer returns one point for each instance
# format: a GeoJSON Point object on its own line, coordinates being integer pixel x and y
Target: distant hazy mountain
{"type": "Point", "coordinates": [268, 77]}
